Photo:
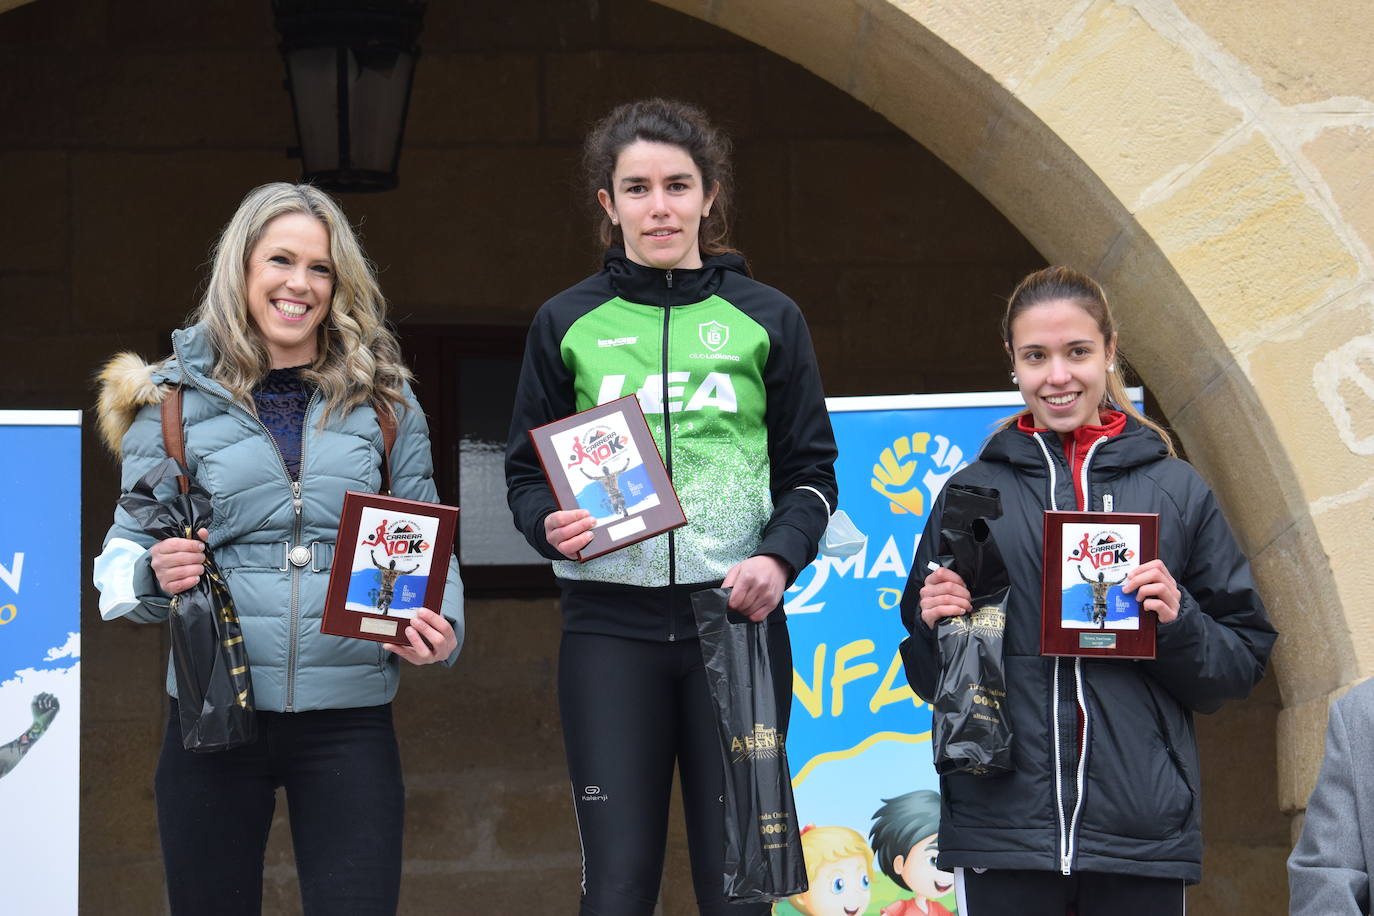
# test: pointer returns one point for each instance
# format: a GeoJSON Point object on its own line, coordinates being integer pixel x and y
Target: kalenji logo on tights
{"type": "Point", "coordinates": [594, 794]}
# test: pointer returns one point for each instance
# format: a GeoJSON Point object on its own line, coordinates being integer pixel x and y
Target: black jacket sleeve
{"type": "Point", "coordinates": [1217, 648]}
{"type": "Point", "coordinates": [543, 394]}
{"type": "Point", "coordinates": [801, 446]}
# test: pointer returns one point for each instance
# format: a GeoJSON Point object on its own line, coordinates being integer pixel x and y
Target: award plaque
{"type": "Point", "coordinates": [605, 460]}
{"type": "Point", "coordinates": [390, 559]}
{"type": "Point", "coordinates": [1087, 558]}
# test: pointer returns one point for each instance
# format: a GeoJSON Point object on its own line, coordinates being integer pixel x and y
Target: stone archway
{"type": "Point", "coordinates": [1208, 170]}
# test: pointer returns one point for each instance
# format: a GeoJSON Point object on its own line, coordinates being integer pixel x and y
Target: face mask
{"type": "Point", "coordinates": [841, 538]}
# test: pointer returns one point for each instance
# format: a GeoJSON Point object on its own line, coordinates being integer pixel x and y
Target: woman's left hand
{"type": "Point", "coordinates": [1155, 589]}
{"type": "Point", "coordinates": [756, 586]}
{"type": "Point", "coordinates": [431, 639]}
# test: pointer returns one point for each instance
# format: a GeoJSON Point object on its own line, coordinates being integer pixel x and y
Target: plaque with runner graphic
{"type": "Point", "coordinates": [605, 460]}
{"type": "Point", "coordinates": [1087, 558]}
{"type": "Point", "coordinates": [390, 559]}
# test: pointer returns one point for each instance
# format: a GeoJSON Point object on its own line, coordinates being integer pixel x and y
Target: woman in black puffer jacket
{"type": "Point", "coordinates": [1101, 812]}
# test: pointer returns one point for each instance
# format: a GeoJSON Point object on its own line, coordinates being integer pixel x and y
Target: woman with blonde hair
{"type": "Point", "coordinates": [287, 373]}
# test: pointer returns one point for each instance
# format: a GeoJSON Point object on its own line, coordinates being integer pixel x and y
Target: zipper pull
{"type": "Point", "coordinates": [668, 275]}
{"type": "Point", "coordinates": [296, 497]}
{"type": "Point", "coordinates": [1106, 502]}
{"type": "Point", "coordinates": [1065, 867]}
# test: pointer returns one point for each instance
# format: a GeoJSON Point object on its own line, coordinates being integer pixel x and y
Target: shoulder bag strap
{"type": "Point", "coordinates": [173, 441]}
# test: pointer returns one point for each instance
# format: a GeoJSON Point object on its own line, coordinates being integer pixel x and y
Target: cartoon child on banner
{"type": "Point", "coordinates": [906, 841]}
{"type": "Point", "coordinates": [839, 869]}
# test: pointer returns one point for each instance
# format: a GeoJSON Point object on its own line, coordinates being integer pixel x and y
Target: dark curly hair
{"type": "Point", "coordinates": [662, 121]}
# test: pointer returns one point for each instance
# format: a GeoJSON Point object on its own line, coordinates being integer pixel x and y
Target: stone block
{"type": "Point", "coordinates": [1242, 738]}
{"type": "Point", "coordinates": [146, 277]}
{"type": "Point", "coordinates": [1299, 57]}
{"type": "Point", "coordinates": [134, 887]}
{"type": "Point", "coordinates": [35, 303]}
{"type": "Point", "coordinates": [151, 25]}
{"type": "Point", "coordinates": [896, 194]}
{"type": "Point", "coordinates": [437, 237]}
{"type": "Point", "coordinates": [1314, 654]}
{"type": "Point", "coordinates": [118, 819]}
{"type": "Point", "coordinates": [1241, 877]}
{"type": "Point", "coordinates": [1230, 439]}
{"type": "Point", "coordinates": [1345, 158]}
{"type": "Point", "coordinates": [636, 25]}
{"type": "Point", "coordinates": [1154, 310]}
{"type": "Point", "coordinates": [47, 26]}
{"type": "Point", "coordinates": [1315, 385]}
{"type": "Point", "coordinates": [35, 185]}
{"type": "Point", "coordinates": [582, 87]}
{"type": "Point", "coordinates": [1251, 247]}
{"type": "Point", "coordinates": [1005, 40]}
{"type": "Point", "coordinates": [536, 821]}
{"type": "Point", "coordinates": [461, 99]}
{"type": "Point", "coordinates": [802, 104]}
{"type": "Point", "coordinates": [1128, 100]}
{"type": "Point", "coordinates": [528, 887]}
{"type": "Point", "coordinates": [52, 371]}
{"type": "Point", "coordinates": [1302, 746]}
{"type": "Point", "coordinates": [511, 25]}
{"type": "Point", "coordinates": [825, 37]}
{"type": "Point", "coordinates": [1354, 579]}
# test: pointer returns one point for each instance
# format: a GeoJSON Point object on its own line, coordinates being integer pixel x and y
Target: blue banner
{"type": "Point", "coordinates": [40, 657]}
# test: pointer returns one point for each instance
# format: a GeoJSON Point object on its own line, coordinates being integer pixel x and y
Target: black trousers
{"type": "Point", "coordinates": [631, 708]}
{"type": "Point", "coordinates": [342, 772]}
{"type": "Point", "coordinates": [1011, 892]}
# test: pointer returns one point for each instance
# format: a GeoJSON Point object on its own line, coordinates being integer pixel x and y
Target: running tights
{"type": "Point", "coordinates": [630, 709]}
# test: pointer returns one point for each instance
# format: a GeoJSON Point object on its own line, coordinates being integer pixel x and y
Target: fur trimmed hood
{"type": "Point", "coordinates": [127, 384]}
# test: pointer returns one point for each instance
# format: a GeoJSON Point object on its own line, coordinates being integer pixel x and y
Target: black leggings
{"type": "Point", "coordinates": [1010, 892]}
{"type": "Point", "coordinates": [630, 708]}
{"type": "Point", "coordinates": [342, 773]}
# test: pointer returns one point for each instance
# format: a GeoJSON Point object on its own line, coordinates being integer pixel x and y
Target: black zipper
{"type": "Point", "coordinates": [668, 462]}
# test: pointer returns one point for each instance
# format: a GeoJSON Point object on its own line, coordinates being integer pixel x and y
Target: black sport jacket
{"type": "Point", "coordinates": [726, 375]}
{"type": "Point", "coordinates": [1129, 802]}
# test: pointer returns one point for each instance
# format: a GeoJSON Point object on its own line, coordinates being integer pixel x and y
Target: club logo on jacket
{"type": "Point", "coordinates": [714, 335]}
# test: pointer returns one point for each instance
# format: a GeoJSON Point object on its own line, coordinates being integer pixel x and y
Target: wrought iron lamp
{"type": "Point", "coordinates": [349, 69]}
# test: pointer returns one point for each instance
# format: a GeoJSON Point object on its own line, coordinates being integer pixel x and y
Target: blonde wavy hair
{"type": "Point", "coordinates": [1064, 283]}
{"type": "Point", "coordinates": [357, 359]}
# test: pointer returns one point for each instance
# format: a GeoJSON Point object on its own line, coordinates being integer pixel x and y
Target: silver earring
{"type": "Point", "coordinates": [1111, 367]}
{"type": "Point", "coordinates": [1014, 379]}
{"type": "Point", "coordinates": [614, 221]}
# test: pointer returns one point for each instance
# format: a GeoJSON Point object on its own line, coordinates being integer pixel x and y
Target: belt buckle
{"type": "Point", "coordinates": [300, 555]}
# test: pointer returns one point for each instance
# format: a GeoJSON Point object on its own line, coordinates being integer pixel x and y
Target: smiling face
{"type": "Point", "coordinates": [1060, 361]}
{"type": "Point", "coordinates": [919, 871]}
{"type": "Point", "coordinates": [658, 200]}
{"type": "Point", "coordinates": [840, 889]}
{"type": "Point", "coordinates": [290, 281]}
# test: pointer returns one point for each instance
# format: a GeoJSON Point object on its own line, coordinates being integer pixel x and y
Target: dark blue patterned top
{"type": "Point", "coordinates": [281, 399]}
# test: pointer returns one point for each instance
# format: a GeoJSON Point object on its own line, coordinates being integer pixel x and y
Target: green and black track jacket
{"type": "Point", "coordinates": [726, 375]}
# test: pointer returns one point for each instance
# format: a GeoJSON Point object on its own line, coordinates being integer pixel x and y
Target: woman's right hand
{"type": "Point", "coordinates": [569, 530]}
{"type": "Point", "coordinates": [179, 563]}
{"type": "Point", "coordinates": [944, 594]}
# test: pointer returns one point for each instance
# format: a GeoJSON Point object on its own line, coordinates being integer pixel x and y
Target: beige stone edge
{"type": "Point", "coordinates": [1302, 725]}
{"type": "Point", "coordinates": [7, 5]}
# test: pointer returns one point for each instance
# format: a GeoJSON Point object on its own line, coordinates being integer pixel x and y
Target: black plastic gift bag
{"type": "Point", "coordinates": [971, 730]}
{"type": "Point", "coordinates": [210, 661]}
{"type": "Point", "coordinates": [763, 855]}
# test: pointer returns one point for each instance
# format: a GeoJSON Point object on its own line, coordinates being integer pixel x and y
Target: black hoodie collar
{"type": "Point", "coordinates": [680, 286]}
{"type": "Point", "coordinates": [1133, 446]}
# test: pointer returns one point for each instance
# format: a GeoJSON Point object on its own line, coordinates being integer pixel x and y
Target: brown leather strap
{"type": "Point", "coordinates": [173, 441]}
{"type": "Point", "coordinates": [386, 419]}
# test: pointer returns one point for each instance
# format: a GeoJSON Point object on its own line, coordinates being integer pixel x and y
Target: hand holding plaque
{"type": "Point", "coordinates": [390, 560]}
{"type": "Point", "coordinates": [605, 460]}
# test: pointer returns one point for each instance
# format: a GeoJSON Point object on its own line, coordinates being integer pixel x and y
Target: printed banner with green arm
{"type": "Point", "coordinates": [40, 657]}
